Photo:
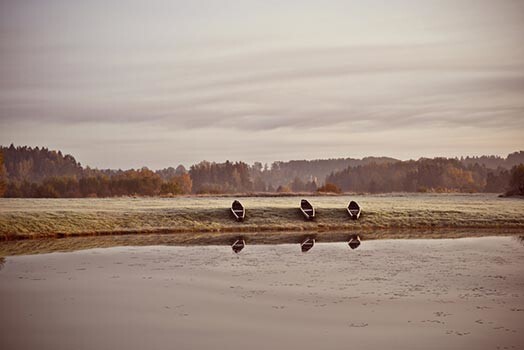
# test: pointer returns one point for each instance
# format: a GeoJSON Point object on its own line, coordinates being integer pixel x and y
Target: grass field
{"type": "Point", "coordinates": [31, 218]}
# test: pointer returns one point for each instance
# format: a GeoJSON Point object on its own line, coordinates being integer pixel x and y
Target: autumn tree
{"type": "Point", "coordinates": [3, 184]}
{"type": "Point", "coordinates": [329, 188]}
{"type": "Point", "coordinates": [180, 184]}
{"type": "Point", "coordinates": [516, 183]}
{"type": "Point", "coordinates": [497, 181]}
{"type": "Point", "coordinates": [283, 189]}
{"type": "Point", "coordinates": [225, 177]}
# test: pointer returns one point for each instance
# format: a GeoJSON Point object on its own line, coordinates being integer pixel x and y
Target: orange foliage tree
{"type": "Point", "coordinates": [329, 188]}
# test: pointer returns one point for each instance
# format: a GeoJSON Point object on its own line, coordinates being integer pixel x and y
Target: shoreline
{"type": "Point", "coordinates": [61, 224]}
{"type": "Point", "coordinates": [30, 246]}
{"type": "Point", "coordinates": [270, 229]}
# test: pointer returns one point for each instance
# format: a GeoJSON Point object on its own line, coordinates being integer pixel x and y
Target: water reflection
{"type": "Point", "coordinates": [307, 245]}
{"type": "Point", "coordinates": [238, 245]}
{"type": "Point", "coordinates": [354, 241]}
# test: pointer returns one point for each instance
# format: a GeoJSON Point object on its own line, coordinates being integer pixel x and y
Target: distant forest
{"type": "Point", "coordinates": [43, 173]}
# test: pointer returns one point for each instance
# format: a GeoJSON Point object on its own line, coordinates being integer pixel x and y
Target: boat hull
{"type": "Point", "coordinates": [354, 210]}
{"type": "Point", "coordinates": [238, 211]}
{"type": "Point", "coordinates": [307, 210]}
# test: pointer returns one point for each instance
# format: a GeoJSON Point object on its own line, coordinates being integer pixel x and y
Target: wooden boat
{"type": "Point", "coordinates": [238, 210]}
{"type": "Point", "coordinates": [354, 210]}
{"type": "Point", "coordinates": [238, 245]}
{"type": "Point", "coordinates": [307, 244]}
{"type": "Point", "coordinates": [354, 241]}
{"type": "Point", "coordinates": [307, 209]}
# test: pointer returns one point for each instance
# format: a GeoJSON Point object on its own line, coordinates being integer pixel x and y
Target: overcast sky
{"type": "Point", "coordinates": [157, 83]}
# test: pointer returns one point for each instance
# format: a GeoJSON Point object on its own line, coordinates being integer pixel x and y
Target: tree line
{"type": "Point", "coordinates": [27, 172]}
{"type": "Point", "coordinates": [40, 172]}
{"type": "Point", "coordinates": [423, 175]}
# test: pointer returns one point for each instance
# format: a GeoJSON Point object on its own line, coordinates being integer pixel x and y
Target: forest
{"type": "Point", "coordinates": [423, 175]}
{"type": "Point", "coordinates": [29, 172]}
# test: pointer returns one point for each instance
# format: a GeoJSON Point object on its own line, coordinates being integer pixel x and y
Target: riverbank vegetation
{"type": "Point", "coordinates": [32, 218]}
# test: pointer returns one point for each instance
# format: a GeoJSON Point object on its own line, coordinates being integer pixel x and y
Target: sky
{"type": "Point", "coordinates": [121, 84]}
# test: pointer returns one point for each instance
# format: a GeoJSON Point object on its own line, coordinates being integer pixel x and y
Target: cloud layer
{"type": "Point", "coordinates": [129, 84]}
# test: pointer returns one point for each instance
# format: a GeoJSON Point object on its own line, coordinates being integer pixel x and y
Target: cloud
{"type": "Point", "coordinates": [318, 71]}
{"type": "Point", "coordinates": [311, 93]}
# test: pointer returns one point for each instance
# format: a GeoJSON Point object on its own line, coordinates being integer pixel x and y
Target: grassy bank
{"type": "Point", "coordinates": [23, 218]}
{"type": "Point", "coordinates": [200, 220]}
